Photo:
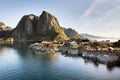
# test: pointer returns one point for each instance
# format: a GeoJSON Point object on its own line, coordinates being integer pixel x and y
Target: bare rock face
{"type": "Point", "coordinates": [2, 25]}
{"type": "Point", "coordinates": [49, 28]}
{"type": "Point", "coordinates": [45, 27]}
{"type": "Point", "coordinates": [25, 28]}
{"type": "Point", "coordinates": [71, 33]}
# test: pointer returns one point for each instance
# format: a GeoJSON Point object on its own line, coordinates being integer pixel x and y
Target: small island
{"type": "Point", "coordinates": [60, 40]}
{"type": "Point", "coordinates": [47, 36]}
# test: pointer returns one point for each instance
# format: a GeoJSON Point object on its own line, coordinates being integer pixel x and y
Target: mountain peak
{"type": "Point", "coordinates": [45, 27]}
{"type": "Point", "coordinates": [44, 12]}
{"type": "Point", "coordinates": [32, 16]}
{"type": "Point", "coordinates": [47, 15]}
{"type": "Point", "coordinates": [71, 33]}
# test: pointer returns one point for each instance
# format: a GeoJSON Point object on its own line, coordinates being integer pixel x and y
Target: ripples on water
{"type": "Point", "coordinates": [19, 63]}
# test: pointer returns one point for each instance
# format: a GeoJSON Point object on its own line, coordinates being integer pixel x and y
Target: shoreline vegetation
{"type": "Point", "coordinates": [48, 36]}
{"type": "Point", "coordinates": [104, 52]}
{"type": "Point", "coordinates": [97, 51]}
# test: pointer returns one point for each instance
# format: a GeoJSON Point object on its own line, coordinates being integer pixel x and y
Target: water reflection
{"type": "Point", "coordinates": [23, 50]}
{"type": "Point", "coordinates": [21, 46]}
{"type": "Point", "coordinates": [51, 56]}
{"type": "Point", "coordinates": [3, 49]}
{"type": "Point", "coordinates": [17, 61]}
{"type": "Point", "coordinates": [109, 66]}
{"type": "Point", "coordinates": [91, 61]}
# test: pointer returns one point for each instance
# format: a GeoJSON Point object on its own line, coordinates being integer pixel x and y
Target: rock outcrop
{"type": "Point", "coordinates": [3, 27]}
{"type": "Point", "coordinates": [45, 27]}
{"type": "Point", "coordinates": [26, 28]}
{"type": "Point", "coordinates": [96, 56]}
{"type": "Point", "coordinates": [4, 30]}
{"type": "Point", "coordinates": [71, 33]}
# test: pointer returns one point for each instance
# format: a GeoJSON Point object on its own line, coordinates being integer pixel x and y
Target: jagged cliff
{"type": "Point", "coordinates": [71, 33]}
{"type": "Point", "coordinates": [45, 27]}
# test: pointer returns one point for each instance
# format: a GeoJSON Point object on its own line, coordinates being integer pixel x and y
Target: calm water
{"type": "Point", "coordinates": [103, 39]}
{"type": "Point", "coordinates": [19, 63]}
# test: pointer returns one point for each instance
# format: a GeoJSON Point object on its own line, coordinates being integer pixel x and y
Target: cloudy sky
{"type": "Point", "coordinates": [97, 17]}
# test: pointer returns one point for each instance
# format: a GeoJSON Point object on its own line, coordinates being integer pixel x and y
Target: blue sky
{"type": "Point", "coordinates": [98, 17]}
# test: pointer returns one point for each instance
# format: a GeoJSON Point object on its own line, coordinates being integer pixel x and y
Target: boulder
{"type": "Point", "coordinates": [108, 58]}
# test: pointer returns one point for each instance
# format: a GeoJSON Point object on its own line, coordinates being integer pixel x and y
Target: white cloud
{"type": "Point", "coordinates": [93, 6]}
{"type": "Point", "coordinates": [112, 10]}
{"type": "Point", "coordinates": [102, 7]}
{"type": "Point", "coordinates": [102, 18]}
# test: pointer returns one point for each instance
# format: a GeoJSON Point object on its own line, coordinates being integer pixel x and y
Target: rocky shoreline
{"type": "Point", "coordinates": [100, 57]}
{"type": "Point", "coordinates": [104, 58]}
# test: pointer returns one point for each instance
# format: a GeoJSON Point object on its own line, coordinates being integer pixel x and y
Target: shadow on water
{"type": "Point", "coordinates": [34, 66]}
{"type": "Point", "coordinates": [20, 45]}
{"type": "Point", "coordinates": [22, 48]}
